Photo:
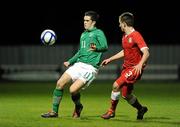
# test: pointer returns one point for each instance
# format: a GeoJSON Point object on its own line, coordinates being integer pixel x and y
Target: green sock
{"type": "Point", "coordinates": [57, 96]}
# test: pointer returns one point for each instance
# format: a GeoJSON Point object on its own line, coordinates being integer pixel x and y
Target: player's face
{"type": "Point", "coordinates": [88, 23]}
{"type": "Point", "coordinates": [122, 25]}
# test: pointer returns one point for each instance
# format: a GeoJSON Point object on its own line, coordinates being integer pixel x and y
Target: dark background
{"type": "Point", "coordinates": [23, 22]}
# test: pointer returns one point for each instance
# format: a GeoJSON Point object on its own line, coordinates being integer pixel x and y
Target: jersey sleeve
{"type": "Point", "coordinates": [101, 42]}
{"type": "Point", "coordinates": [74, 58]}
{"type": "Point", "coordinates": [140, 40]}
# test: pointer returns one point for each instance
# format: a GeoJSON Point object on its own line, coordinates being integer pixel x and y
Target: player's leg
{"type": "Point", "coordinates": [133, 101]}
{"type": "Point", "coordinates": [131, 78]}
{"type": "Point", "coordinates": [57, 95]}
{"type": "Point", "coordinates": [83, 75]}
{"type": "Point", "coordinates": [115, 94]}
{"type": "Point", "coordinates": [86, 75]}
{"type": "Point", "coordinates": [75, 96]}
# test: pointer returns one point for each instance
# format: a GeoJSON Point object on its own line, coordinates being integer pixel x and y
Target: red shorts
{"type": "Point", "coordinates": [126, 80]}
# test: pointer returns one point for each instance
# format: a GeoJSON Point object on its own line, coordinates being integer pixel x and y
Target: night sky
{"type": "Point", "coordinates": [23, 22]}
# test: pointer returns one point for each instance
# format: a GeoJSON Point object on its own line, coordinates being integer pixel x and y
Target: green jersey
{"type": "Point", "coordinates": [95, 36]}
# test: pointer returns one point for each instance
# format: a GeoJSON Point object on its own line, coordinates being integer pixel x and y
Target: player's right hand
{"type": "Point", "coordinates": [66, 64]}
{"type": "Point", "coordinates": [105, 62]}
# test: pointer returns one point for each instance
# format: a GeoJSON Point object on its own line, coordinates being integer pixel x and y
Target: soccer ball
{"type": "Point", "coordinates": [48, 37]}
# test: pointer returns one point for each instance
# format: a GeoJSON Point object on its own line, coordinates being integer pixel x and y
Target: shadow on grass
{"type": "Point", "coordinates": [89, 118]}
{"type": "Point", "coordinates": [124, 118]}
{"type": "Point", "coordinates": [159, 120]}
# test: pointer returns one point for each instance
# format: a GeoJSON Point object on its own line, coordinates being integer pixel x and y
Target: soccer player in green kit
{"type": "Point", "coordinates": [83, 66]}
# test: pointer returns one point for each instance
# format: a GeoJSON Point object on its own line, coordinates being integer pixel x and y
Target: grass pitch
{"type": "Point", "coordinates": [22, 103]}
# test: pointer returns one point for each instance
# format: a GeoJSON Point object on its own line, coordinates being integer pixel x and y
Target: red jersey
{"type": "Point", "coordinates": [132, 45]}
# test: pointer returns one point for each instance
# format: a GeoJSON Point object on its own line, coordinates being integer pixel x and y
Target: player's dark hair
{"type": "Point", "coordinates": [128, 18]}
{"type": "Point", "coordinates": [94, 15]}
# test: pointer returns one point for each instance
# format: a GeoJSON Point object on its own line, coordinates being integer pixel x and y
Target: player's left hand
{"type": "Point", "coordinates": [137, 69]}
{"type": "Point", "coordinates": [105, 62]}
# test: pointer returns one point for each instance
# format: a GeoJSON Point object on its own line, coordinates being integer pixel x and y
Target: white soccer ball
{"type": "Point", "coordinates": [48, 37]}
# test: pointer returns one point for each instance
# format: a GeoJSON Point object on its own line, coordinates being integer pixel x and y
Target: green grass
{"type": "Point", "coordinates": [21, 104]}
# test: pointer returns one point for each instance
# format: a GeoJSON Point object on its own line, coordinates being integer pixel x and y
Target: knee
{"type": "Point", "coordinates": [131, 99]}
{"type": "Point", "coordinates": [59, 84]}
{"type": "Point", "coordinates": [72, 91]}
{"type": "Point", "coordinates": [115, 87]}
{"type": "Point", "coordinates": [127, 97]}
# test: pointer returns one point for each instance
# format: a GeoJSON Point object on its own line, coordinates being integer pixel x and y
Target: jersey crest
{"type": "Point", "coordinates": [129, 40]}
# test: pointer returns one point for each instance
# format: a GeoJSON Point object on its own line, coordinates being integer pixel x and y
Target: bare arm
{"type": "Point", "coordinates": [117, 56]}
{"type": "Point", "coordinates": [144, 59]}
{"type": "Point", "coordinates": [114, 57]}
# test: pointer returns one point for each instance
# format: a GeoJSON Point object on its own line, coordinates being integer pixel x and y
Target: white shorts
{"type": "Point", "coordinates": [85, 72]}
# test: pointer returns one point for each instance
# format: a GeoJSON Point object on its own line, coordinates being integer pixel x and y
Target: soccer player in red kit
{"type": "Point", "coordinates": [135, 53]}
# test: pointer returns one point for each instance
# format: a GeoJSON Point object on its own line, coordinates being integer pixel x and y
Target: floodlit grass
{"type": "Point", "coordinates": [22, 103]}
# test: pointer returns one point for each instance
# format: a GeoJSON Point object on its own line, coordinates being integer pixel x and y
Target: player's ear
{"type": "Point", "coordinates": [94, 23]}
{"type": "Point", "coordinates": [124, 24]}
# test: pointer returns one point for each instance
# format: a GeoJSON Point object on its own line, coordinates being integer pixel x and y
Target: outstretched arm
{"type": "Point", "coordinates": [112, 58]}
{"type": "Point", "coordinates": [73, 59]}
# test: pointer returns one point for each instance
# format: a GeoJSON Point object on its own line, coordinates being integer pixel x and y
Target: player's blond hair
{"type": "Point", "coordinates": [128, 18]}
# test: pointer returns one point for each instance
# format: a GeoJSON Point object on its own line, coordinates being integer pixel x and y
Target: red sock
{"type": "Point", "coordinates": [114, 104]}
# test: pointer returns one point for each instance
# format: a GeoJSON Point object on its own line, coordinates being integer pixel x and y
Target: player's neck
{"type": "Point", "coordinates": [129, 30]}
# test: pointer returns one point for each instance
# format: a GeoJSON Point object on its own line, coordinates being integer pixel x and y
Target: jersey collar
{"type": "Point", "coordinates": [89, 30]}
